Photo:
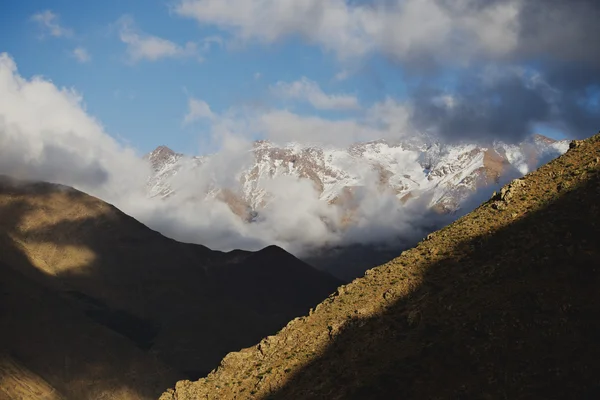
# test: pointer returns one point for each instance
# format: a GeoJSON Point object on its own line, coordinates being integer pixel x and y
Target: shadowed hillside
{"type": "Point", "coordinates": [96, 304]}
{"type": "Point", "coordinates": [17, 382]}
{"type": "Point", "coordinates": [49, 349]}
{"type": "Point", "coordinates": [503, 303]}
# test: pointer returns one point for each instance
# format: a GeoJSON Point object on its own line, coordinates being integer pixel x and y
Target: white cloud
{"type": "Point", "coordinates": [342, 75]}
{"type": "Point", "coordinates": [283, 127]}
{"type": "Point", "coordinates": [309, 91]}
{"type": "Point", "coordinates": [387, 119]}
{"type": "Point", "coordinates": [46, 134]}
{"type": "Point", "coordinates": [142, 46]}
{"type": "Point", "coordinates": [401, 28]}
{"type": "Point", "coordinates": [198, 109]}
{"type": "Point", "coordinates": [391, 117]}
{"type": "Point", "coordinates": [49, 22]}
{"type": "Point", "coordinates": [81, 55]}
{"type": "Point", "coordinates": [210, 41]}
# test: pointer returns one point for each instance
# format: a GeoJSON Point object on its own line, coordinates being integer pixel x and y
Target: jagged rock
{"type": "Point", "coordinates": [508, 191]}
{"type": "Point", "coordinates": [575, 144]}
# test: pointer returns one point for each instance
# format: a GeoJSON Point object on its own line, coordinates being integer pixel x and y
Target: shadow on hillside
{"type": "Point", "coordinates": [102, 303]}
{"type": "Point", "coordinates": [49, 331]}
{"type": "Point", "coordinates": [513, 314]}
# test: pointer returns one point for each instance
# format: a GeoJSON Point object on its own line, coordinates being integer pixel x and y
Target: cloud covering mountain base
{"type": "Point", "coordinates": [46, 134]}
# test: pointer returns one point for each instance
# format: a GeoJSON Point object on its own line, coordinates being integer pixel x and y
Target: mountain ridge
{"type": "Point", "coordinates": [419, 183]}
{"type": "Point", "coordinates": [105, 272]}
{"type": "Point", "coordinates": [460, 169]}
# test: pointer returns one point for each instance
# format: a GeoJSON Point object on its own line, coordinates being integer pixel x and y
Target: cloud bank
{"type": "Point", "coordinates": [46, 134]}
{"type": "Point", "coordinates": [517, 64]}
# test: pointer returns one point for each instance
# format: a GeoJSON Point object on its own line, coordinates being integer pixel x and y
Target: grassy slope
{"type": "Point", "coordinates": [502, 303]}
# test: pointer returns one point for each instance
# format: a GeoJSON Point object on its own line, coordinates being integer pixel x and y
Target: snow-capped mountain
{"type": "Point", "coordinates": [444, 175]}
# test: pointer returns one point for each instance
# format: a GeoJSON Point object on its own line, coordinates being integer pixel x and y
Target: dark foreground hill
{"type": "Point", "coordinates": [93, 304]}
{"type": "Point", "coordinates": [501, 304]}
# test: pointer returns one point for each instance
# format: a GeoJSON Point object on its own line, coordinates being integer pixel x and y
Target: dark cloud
{"type": "Point", "coordinates": [564, 97]}
{"type": "Point", "coordinates": [56, 163]}
{"type": "Point", "coordinates": [561, 30]}
{"type": "Point", "coordinates": [557, 41]}
{"type": "Point", "coordinates": [507, 109]}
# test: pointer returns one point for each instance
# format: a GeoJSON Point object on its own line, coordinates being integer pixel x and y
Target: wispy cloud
{"type": "Point", "coordinates": [197, 109]}
{"type": "Point", "coordinates": [309, 91]}
{"type": "Point", "coordinates": [143, 46]}
{"type": "Point", "coordinates": [342, 75]}
{"type": "Point", "coordinates": [81, 55]}
{"type": "Point", "coordinates": [119, 94]}
{"type": "Point", "coordinates": [50, 24]}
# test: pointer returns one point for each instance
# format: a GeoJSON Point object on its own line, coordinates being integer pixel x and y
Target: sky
{"type": "Point", "coordinates": [188, 73]}
{"type": "Point", "coordinates": [140, 89]}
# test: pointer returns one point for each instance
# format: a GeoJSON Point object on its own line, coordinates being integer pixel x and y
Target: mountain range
{"type": "Point", "coordinates": [410, 169]}
{"type": "Point", "coordinates": [502, 303]}
{"type": "Point", "coordinates": [375, 199]}
{"type": "Point", "coordinates": [94, 304]}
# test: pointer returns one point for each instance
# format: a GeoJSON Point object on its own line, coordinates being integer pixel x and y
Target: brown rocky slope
{"type": "Point", "coordinates": [502, 303]}
{"type": "Point", "coordinates": [95, 304]}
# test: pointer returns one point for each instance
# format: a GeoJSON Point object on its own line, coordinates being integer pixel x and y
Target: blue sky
{"type": "Point", "coordinates": [144, 102]}
{"type": "Point", "coordinates": [330, 68]}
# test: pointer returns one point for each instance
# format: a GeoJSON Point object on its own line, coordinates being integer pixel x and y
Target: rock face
{"type": "Point", "coordinates": [96, 305]}
{"type": "Point", "coordinates": [501, 303]}
{"type": "Point", "coordinates": [447, 174]}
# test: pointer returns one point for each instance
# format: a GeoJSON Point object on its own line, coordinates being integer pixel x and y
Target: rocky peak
{"type": "Point", "coordinates": [542, 139]}
{"type": "Point", "coordinates": [161, 156]}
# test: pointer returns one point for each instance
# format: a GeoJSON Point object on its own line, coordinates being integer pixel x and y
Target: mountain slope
{"type": "Point", "coordinates": [500, 304]}
{"type": "Point", "coordinates": [50, 349]}
{"type": "Point", "coordinates": [183, 304]}
{"type": "Point", "coordinates": [17, 382]}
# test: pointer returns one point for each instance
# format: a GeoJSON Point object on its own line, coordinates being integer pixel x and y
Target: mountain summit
{"type": "Point", "coordinates": [501, 303]}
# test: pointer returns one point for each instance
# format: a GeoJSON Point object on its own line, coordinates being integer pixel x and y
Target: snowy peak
{"type": "Point", "coordinates": [165, 164]}
{"type": "Point", "coordinates": [162, 156]}
{"type": "Point", "coordinates": [444, 174]}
